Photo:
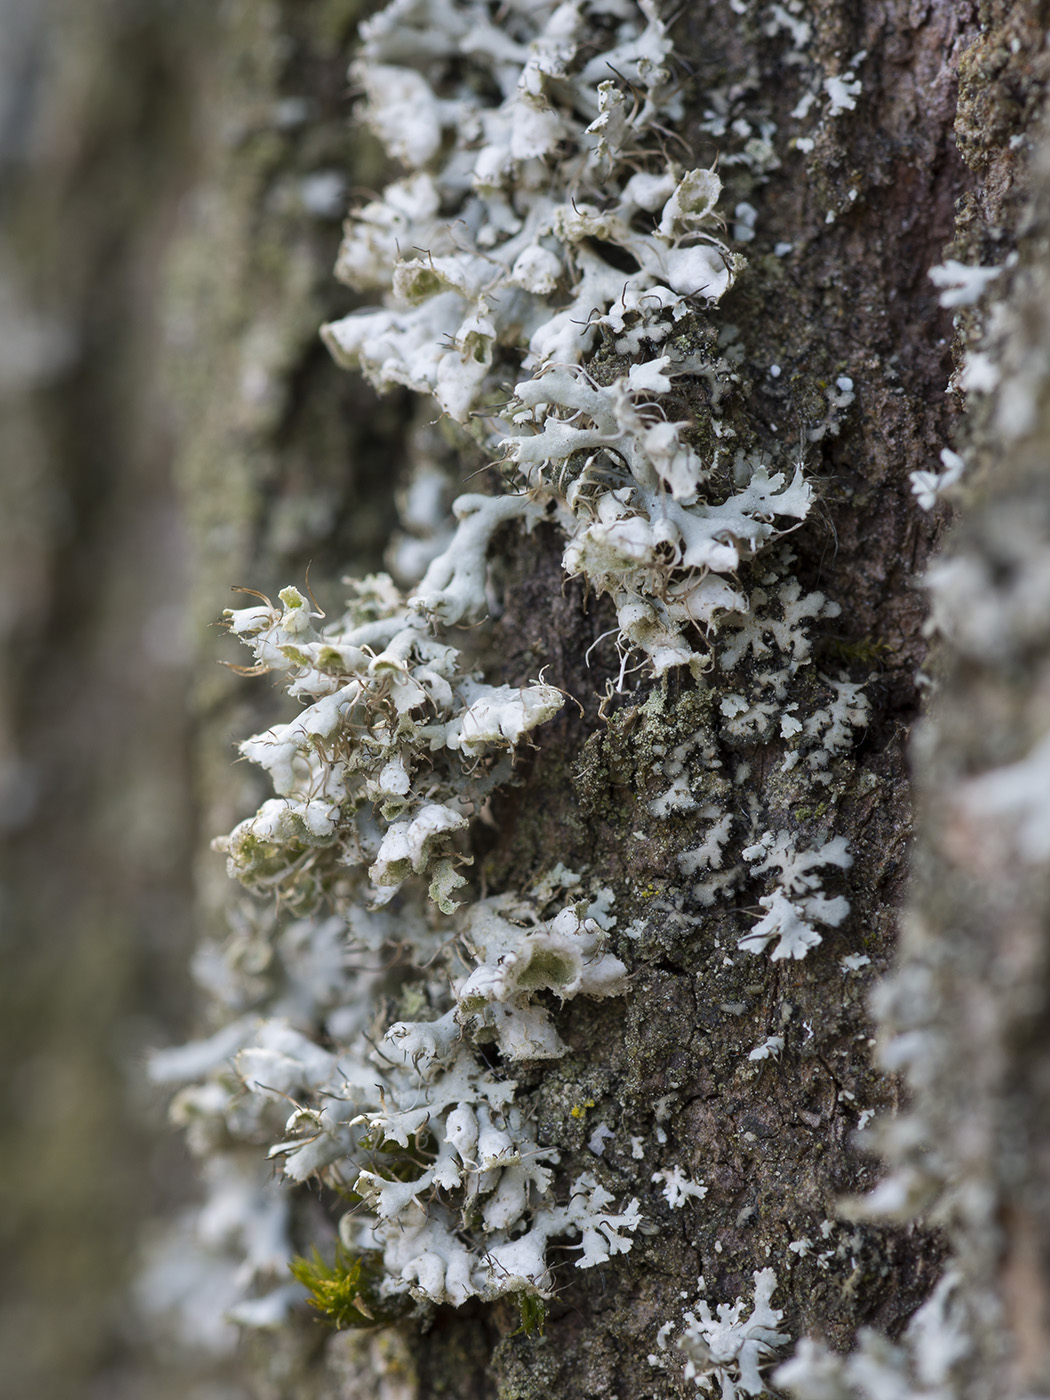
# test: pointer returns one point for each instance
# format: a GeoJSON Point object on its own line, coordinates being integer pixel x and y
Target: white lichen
{"type": "Point", "coordinates": [729, 1347]}
{"type": "Point", "coordinates": [770, 1048]}
{"type": "Point", "coordinates": [929, 487]}
{"type": "Point", "coordinates": [678, 1188]}
{"type": "Point", "coordinates": [534, 170]}
{"type": "Point", "coordinates": [797, 902]}
{"type": "Point", "coordinates": [961, 285]}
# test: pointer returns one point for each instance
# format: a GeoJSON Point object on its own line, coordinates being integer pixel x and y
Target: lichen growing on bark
{"type": "Point", "coordinates": [542, 278]}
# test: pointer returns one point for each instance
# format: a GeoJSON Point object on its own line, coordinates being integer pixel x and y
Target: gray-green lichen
{"type": "Point", "coordinates": [552, 278]}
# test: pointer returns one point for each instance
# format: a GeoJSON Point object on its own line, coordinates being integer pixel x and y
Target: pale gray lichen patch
{"type": "Point", "coordinates": [547, 276]}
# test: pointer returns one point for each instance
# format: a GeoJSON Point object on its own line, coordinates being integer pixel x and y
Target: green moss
{"type": "Point", "coordinates": [346, 1292]}
{"type": "Point", "coordinates": [533, 1315]}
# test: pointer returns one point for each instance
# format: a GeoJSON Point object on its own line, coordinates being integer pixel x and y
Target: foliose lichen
{"type": "Point", "coordinates": [727, 1347]}
{"type": "Point", "coordinates": [549, 276]}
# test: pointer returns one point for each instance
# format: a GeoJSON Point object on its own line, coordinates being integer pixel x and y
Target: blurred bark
{"type": "Point", "coordinates": [96, 143]}
{"type": "Point", "coordinates": [975, 942]}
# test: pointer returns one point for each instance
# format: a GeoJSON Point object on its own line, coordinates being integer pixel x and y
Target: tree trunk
{"type": "Point", "coordinates": [858, 146]}
{"type": "Point", "coordinates": [866, 202]}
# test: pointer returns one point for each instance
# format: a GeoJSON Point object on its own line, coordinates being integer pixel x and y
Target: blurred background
{"type": "Point", "coordinates": [172, 178]}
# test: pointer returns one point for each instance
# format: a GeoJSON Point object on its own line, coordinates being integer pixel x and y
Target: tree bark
{"type": "Point", "coordinates": [284, 463]}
